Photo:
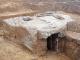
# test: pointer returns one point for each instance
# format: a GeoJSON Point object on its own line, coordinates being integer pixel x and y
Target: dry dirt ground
{"type": "Point", "coordinates": [11, 51]}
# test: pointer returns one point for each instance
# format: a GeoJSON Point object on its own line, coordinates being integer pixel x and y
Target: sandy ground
{"type": "Point", "coordinates": [55, 56]}
{"type": "Point", "coordinates": [12, 51]}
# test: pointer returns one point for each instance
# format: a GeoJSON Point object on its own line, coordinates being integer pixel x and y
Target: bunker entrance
{"type": "Point", "coordinates": [52, 42]}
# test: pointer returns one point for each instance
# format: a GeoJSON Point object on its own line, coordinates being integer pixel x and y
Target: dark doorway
{"type": "Point", "coordinates": [51, 42]}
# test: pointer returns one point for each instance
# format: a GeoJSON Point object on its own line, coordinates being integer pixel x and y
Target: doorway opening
{"type": "Point", "coordinates": [51, 42]}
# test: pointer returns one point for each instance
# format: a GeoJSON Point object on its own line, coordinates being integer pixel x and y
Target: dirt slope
{"type": "Point", "coordinates": [12, 51]}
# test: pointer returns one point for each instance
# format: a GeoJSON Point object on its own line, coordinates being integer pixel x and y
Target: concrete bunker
{"type": "Point", "coordinates": [44, 33]}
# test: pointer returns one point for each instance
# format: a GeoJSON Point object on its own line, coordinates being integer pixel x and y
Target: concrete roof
{"type": "Point", "coordinates": [46, 24]}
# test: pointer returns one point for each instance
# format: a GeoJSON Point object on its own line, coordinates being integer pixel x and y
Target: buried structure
{"type": "Point", "coordinates": [45, 31]}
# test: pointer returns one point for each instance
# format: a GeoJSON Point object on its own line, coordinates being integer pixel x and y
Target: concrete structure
{"type": "Point", "coordinates": [45, 30]}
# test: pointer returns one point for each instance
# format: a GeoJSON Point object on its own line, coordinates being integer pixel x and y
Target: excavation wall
{"type": "Point", "coordinates": [72, 48]}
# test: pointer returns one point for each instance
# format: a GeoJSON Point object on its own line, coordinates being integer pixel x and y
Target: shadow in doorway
{"type": "Point", "coordinates": [51, 42]}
